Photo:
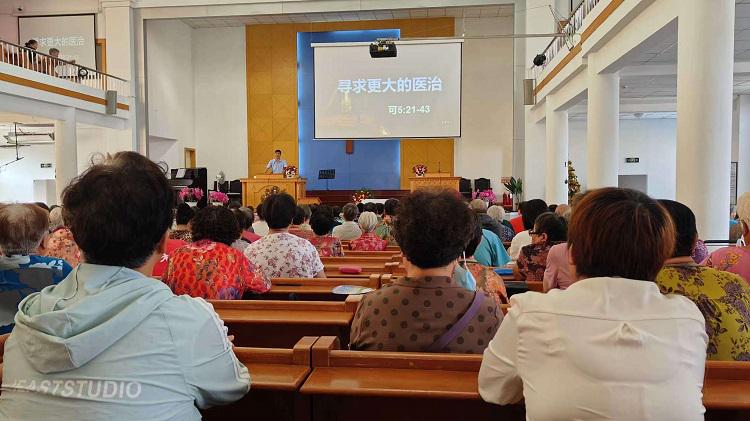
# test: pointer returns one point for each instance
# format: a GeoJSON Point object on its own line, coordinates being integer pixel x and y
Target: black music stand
{"type": "Point", "coordinates": [327, 175]}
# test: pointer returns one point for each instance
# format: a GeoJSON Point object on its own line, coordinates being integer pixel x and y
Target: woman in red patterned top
{"type": "Point", "coordinates": [209, 268]}
{"type": "Point", "coordinates": [368, 241]}
{"type": "Point", "coordinates": [326, 244]}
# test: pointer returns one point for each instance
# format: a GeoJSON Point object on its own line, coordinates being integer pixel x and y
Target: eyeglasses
{"type": "Point", "coordinates": [532, 232]}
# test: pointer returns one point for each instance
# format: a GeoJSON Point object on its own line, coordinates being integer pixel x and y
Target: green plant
{"type": "Point", "coordinates": [514, 186]}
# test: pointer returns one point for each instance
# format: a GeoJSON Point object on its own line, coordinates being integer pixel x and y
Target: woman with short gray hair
{"type": "Point", "coordinates": [368, 241]}
{"type": "Point", "coordinates": [22, 271]}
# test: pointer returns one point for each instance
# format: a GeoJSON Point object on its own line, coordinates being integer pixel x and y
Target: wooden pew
{"type": "Point", "coordinates": [442, 386]}
{"type": "Point", "coordinates": [280, 324]}
{"type": "Point", "coordinates": [316, 289]}
{"type": "Point", "coordinates": [397, 386]}
{"type": "Point", "coordinates": [332, 270]}
{"type": "Point", "coordinates": [726, 390]}
{"type": "Point", "coordinates": [363, 253]}
{"type": "Point", "coordinates": [361, 260]}
{"type": "Point", "coordinates": [276, 375]}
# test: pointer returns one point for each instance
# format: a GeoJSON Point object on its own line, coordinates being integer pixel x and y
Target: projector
{"type": "Point", "coordinates": [383, 48]}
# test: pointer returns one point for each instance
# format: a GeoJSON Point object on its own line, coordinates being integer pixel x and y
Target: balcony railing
{"type": "Point", "coordinates": [571, 28]}
{"type": "Point", "coordinates": [61, 69]}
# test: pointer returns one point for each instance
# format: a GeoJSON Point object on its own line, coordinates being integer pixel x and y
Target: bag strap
{"type": "Point", "coordinates": [460, 325]}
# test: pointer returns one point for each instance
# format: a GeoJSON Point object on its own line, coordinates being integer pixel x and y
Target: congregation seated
{"type": "Point", "coordinates": [736, 259]}
{"type": "Point", "coordinates": [210, 267]}
{"type": "Point", "coordinates": [489, 223]}
{"type": "Point", "coordinates": [384, 229]}
{"type": "Point", "coordinates": [109, 325]}
{"type": "Point", "coordinates": [299, 221]}
{"type": "Point", "coordinates": [244, 218]}
{"type": "Point", "coordinates": [60, 242]}
{"type": "Point", "coordinates": [478, 276]}
{"type": "Point", "coordinates": [428, 310]}
{"type": "Point", "coordinates": [22, 271]}
{"type": "Point", "coordinates": [611, 346]}
{"type": "Point", "coordinates": [498, 214]}
{"type": "Point", "coordinates": [722, 297]}
{"type": "Point", "coordinates": [281, 254]}
{"type": "Point", "coordinates": [368, 241]}
{"type": "Point", "coordinates": [530, 210]}
{"type": "Point", "coordinates": [349, 230]}
{"type": "Point", "coordinates": [182, 231]}
{"type": "Point", "coordinates": [259, 225]}
{"type": "Point", "coordinates": [549, 230]}
{"type": "Point", "coordinates": [326, 244]}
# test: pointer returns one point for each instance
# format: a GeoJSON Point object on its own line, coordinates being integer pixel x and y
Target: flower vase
{"type": "Point", "coordinates": [289, 175]}
{"type": "Point", "coordinates": [191, 204]}
{"type": "Point", "coordinates": [420, 174]}
{"type": "Point", "coordinates": [217, 204]}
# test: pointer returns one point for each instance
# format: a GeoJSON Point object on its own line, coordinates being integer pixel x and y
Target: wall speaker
{"type": "Point", "coordinates": [111, 98]}
{"type": "Point", "coordinates": [528, 92]}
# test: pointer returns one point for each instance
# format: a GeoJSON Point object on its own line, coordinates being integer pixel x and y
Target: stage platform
{"type": "Point", "coordinates": [342, 197]}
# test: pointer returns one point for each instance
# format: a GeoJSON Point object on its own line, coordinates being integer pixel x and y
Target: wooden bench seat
{"type": "Point", "coordinates": [365, 253]}
{"type": "Point", "coordinates": [316, 289]}
{"type": "Point", "coordinates": [361, 260]}
{"type": "Point", "coordinates": [280, 324]}
{"type": "Point", "coordinates": [332, 270]}
{"type": "Point", "coordinates": [276, 375]}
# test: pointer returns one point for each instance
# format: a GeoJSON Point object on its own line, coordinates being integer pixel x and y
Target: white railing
{"type": "Point", "coordinates": [571, 38]}
{"type": "Point", "coordinates": [59, 68]}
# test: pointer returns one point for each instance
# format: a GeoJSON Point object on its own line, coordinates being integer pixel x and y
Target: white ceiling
{"type": "Point", "coordinates": [459, 12]}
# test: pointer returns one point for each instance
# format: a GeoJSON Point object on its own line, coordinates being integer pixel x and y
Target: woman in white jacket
{"type": "Point", "coordinates": [611, 346]}
{"type": "Point", "coordinates": [109, 342]}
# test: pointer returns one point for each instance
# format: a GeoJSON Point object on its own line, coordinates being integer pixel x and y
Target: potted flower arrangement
{"type": "Point", "coordinates": [218, 198]}
{"type": "Point", "coordinates": [515, 187]}
{"type": "Point", "coordinates": [419, 170]}
{"type": "Point", "coordinates": [486, 195]}
{"type": "Point", "coordinates": [290, 171]}
{"type": "Point", "coordinates": [191, 195]}
{"type": "Point", "coordinates": [361, 195]}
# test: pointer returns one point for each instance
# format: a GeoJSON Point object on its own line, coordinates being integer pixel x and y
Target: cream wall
{"type": "Point", "coordinates": [653, 141]}
{"type": "Point", "coordinates": [485, 148]}
{"type": "Point", "coordinates": [169, 68]}
{"type": "Point", "coordinates": [220, 101]}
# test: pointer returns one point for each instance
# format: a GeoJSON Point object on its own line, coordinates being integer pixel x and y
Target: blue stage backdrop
{"type": "Point", "coordinates": [375, 164]}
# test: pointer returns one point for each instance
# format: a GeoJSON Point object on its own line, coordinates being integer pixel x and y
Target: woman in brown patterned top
{"type": "Point", "coordinates": [428, 311]}
{"type": "Point", "coordinates": [549, 230]}
{"type": "Point", "coordinates": [182, 231]}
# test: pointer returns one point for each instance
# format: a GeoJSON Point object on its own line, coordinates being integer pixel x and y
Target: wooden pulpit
{"type": "Point", "coordinates": [255, 189]}
{"type": "Point", "coordinates": [434, 180]}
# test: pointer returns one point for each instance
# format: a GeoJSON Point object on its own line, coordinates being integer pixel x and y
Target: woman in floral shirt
{"type": "Point", "coordinates": [549, 229]}
{"type": "Point", "coordinates": [209, 267]}
{"type": "Point", "coordinates": [280, 254]}
{"type": "Point", "coordinates": [326, 244]}
{"type": "Point", "coordinates": [722, 297]}
{"type": "Point", "coordinates": [368, 241]}
{"type": "Point", "coordinates": [384, 230]}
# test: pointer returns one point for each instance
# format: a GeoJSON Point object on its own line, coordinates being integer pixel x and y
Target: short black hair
{"type": "Point", "coordinates": [278, 210]}
{"type": "Point", "coordinates": [360, 207]}
{"type": "Point", "coordinates": [379, 209]}
{"type": "Point", "coordinates": [556, 227]}
{"type": "Point", "coordinates": [216, 223]}
{"type": "Point", "coordinates": [43, 206]}
{"type": "Point", "coordinates": [325, 210]}
{"type": "Point", "coordinates": [277, 150]}
{"type": "Point", "coordinates": [53, 50]}
{"type": "Point", "coordinates": [684, 225]}
{"type": "Point", "coordinates": [552, 208]}
{"type": "Point", "coordinates": [299, 216]}
{"type": "Point", "coordinates": [119, 210]}
{"type": "Point", "coordinates": [433, 228]}
{"type": "Point", "coordinates": [234, 204]}
{"type": "Point", "coordinates": [321, 223]}
{"type": "Point", "coordinates": [184, 214]}
{"type": "Point", "coordinates": [244, 219]}
{"type": "Point", "coordinates": [370, 207]}
{"type": "Point", "coordinates": [471, 248]}
{"type": "Point", "coordinates": [351, 211]}
{"type": "Point", "coordinates": [391, 207]}
{"type": "Point", "coordinates": [531, 210]}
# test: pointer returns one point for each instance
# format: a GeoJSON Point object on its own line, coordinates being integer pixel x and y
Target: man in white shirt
{"type": "Point", "coordinates": [349, 230]}
{"type": "Point", "coordinates": [611, 346]}
{"type": "Point", "coordinates": [276, 165]}
{"type": "Point", "coordinates": [529, 212]}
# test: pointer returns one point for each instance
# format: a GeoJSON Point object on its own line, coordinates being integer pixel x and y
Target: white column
{"type": "Point", "coordinates": [556, 189]}
{"type": "Point", "coordinates": [704, 111]}
{"type": "Point", "coordinates": [66, 151]}
{"type": "Point", "coordinates": [603, 136]}
{"type": "Point", "coordinates": [743, 139]}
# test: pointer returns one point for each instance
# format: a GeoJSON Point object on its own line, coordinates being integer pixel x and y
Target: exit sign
{"type": "Point", "coordinates": [46, 165]}
{"type": "Point", "coordinates": [632, 160]}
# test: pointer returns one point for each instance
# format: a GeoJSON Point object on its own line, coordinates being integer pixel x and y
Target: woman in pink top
{"type": "Point", "coordinates": [736, 259]}
{"type": "Point", "coordinates": [557, 273]}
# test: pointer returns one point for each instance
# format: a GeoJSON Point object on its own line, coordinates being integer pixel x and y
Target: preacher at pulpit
{"type": "Point", "coordinates": [276, 165]}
